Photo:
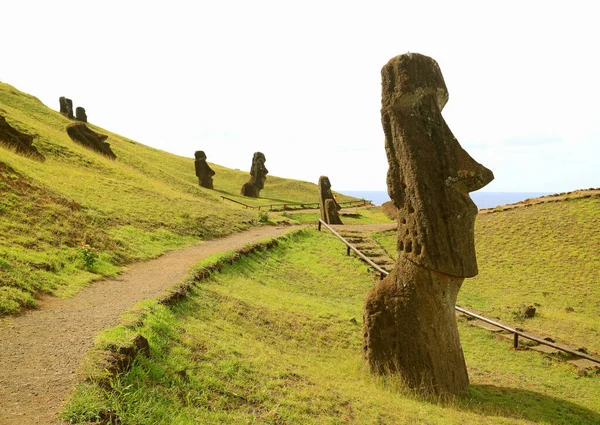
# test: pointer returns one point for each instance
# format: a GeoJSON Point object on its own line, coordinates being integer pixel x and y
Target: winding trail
{"type": "Point", "coordinates": [41, 349]}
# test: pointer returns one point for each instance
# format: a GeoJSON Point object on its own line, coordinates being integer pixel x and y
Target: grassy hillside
{"type": "Point", "coordinates": [546, 255]}
{"type": "Point", "coordinates": [276, 338]}
{"type": "Point", "coordinates": [57, 216]}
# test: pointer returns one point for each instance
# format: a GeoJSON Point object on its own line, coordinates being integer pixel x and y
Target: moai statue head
{"type": "Point", "coordinates": [258, 171]}
{"type": "Point", "coordinates": [258, 175]}
{"type": "Point", "coordinates": [200, 156]}
{"type": "Point", "coordinates": [80, 114]}
{"type": "Point", "coordinates": [325, 187]}
{"type": "Point", "coordinates": [430, 175]}
{"type": "Point", "coordinates": [203, 171]}
{"type": "Point", "coordinates": [329, 210]}
{"type": "Point", "coordinates": [66, 107]}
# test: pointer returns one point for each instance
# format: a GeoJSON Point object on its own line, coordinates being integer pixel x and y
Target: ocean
{"type": "Point", "coordinates": [481, 199]}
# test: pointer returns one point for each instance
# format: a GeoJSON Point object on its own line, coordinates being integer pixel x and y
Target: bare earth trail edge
{"type": "Point", "coordinates": [41, 349]}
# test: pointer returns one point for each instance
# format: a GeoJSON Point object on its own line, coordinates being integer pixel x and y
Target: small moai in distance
{"type": "Point", "coordinates": [409, 323]}
{"type": "Point", "coordinates": [203, 171]}
{"type": "Point", "coordinates": [66, 107]}
{"type": "Point", "coordinates": [258, 175]}
{"type": "Point", "coordinates": [80, 114]}
{"type": "Point", "coordinates": [327, 204]}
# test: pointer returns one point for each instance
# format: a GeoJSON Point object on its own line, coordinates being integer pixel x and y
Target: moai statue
{"type": "Point", "coordinates": [66, 107]}
{"type": "Point", "coordinates": [327, 204]}
{"type": "Point", "coordinates": [409, 323]}
{"type": "Point", "coordinates": [80, 114]}
{"type": "Point", "coordinates": [203, 171]}
{"type": "Point", "coordinates": [22, 143]}
{"type": "Point", "coordinates": [258, 175]}
{"type": "Point", "coordinates": [80, 133]}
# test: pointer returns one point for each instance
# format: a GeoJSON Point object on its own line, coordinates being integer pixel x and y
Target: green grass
{"type": "Point", "coordinates": [546, 255]}
{"type": "Point", "coordinates": [276, 338]}
{"type": "Point", "coordinates": [136, 207]}
{"type": "Point", "coordinates": [388, 241]}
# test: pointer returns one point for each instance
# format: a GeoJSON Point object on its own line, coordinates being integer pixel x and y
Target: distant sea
{"type": "Point", "coordinates": [481, 199]}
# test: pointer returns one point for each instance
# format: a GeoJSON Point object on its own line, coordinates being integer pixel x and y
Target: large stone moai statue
{"type": "Point", "coordinates": [203, 171]}
{"type": "Point", "coordinates": [327, 204]}
{"type": "Point", "coordinates": [409, 323]}
{"type": "Point", "coordinates": [258, 175]}
{"type": "Point", "coordinates": [66, 107]}
{"type": "Point", "coordinates": [80, 114]}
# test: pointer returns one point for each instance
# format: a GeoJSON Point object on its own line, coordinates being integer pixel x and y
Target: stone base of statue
{"type": "Point", "coordinates": [409, 328]}
{"type": "Point", "coordinates": [250, 190]}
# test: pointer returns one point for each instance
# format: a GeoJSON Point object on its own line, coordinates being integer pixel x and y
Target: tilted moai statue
{"type": "Point", "coordinates": [327, 204]}
{"type": "Point", "coordinates": [203, 171]}
{"type": "Point", "coordinates": [66, 107]}
{"type": "Point", "coordinates": [22, 143]}
{"type": "Point", "coordinates": [80, 114]}
{"type": "Point", "coordinates": [409, 323]}
{"type": "Point", "coordinates": [80, 133]}
{"type": "Point", "coordinates": [258, 175]}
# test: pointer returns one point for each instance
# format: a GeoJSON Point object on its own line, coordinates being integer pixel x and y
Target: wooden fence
{"type": "Point", "coordinates": [383, 273]}
{"type": "Point", "coordinates": [292, 206]}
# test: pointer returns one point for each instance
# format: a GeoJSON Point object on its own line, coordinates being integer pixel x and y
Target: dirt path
{"type": "Point", "coordinates": [41, 349]}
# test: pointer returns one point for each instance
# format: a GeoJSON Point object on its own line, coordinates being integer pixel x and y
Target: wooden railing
{"type": "Point", "coordinates": [306, 205]}
{"type": "Point", "coordinates": [515, 332]}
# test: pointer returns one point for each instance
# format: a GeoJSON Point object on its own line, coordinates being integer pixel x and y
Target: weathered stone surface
{"type": "Point", "coordinates": [66, 107]}
{"type": "Point", "coordinates": [409, 323]}
{"type": "Point", "coordinates": [203, 171]}
{"type": "Point", "coordinates": [21, 142]}
{"type": "Point", "coordinates": [258, 175]}
{"type": "Point", "coordinates": [389, 210]}
{"type": "Point", "coordinates": [80, 133]}
{"type": "Point", "coordinates": [430, 175]}
{"type": "Point", "coordinates": [329, 210]}
{"type": "Point", "coordinates": [80, 114]}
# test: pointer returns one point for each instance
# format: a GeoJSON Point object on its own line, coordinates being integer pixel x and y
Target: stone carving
{"type": "Point", "coordinates": [66, 107]}
{"type": "Point", "coordinates": [80, 133]}
{"type": "Point", "coordinates": [389, 210]}
{"type": "Point", "coordinates": [258, 175]}
{"type": "Point", "coordinates": [203, 171]}
{"type": "Point", "coordinates": [327, 204]}
{"type": "Point", "coordinates": [21, 142]}
{"type": "Point", "coordinates": [80, 114]}
{"type": "Point", "coordinates": [409, 323]}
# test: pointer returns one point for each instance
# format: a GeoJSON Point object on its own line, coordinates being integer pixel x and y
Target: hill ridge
{"type": "Point", "coordinates": [144, 203]}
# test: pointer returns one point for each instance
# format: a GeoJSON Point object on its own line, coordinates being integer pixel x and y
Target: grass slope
{"type": "Point", "coordinates": [546, 255]}
{"type": "Point", "coordinates": [276, 338]}
{"type": "Point", "coordinates": [136, 207]}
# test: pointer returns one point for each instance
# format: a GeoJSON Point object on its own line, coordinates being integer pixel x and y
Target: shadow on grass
{"type": "Point", "coordinates": [516, 403]}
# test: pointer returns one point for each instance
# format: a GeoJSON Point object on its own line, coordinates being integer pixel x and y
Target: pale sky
{"type": "Point", "coordinates": [300, 80]}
